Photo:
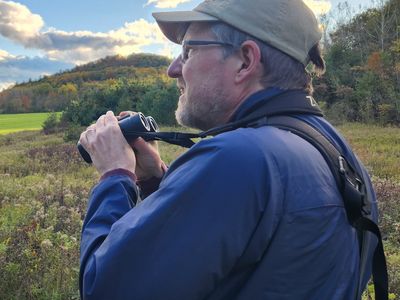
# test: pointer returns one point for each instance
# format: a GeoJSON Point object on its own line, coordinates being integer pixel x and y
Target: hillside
{"type": "Point", "coordinates": [362, 81]}
{"type": "Point", "coordinates": [55, 93]}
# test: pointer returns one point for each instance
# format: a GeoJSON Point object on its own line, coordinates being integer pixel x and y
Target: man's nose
{"type": "Point", "coordinates": [175, 68]}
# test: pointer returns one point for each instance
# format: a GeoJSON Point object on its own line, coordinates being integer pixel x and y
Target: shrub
{"type": "Point", "coordinates": [388, 195]}
{"type": "Point", "coordinates": [44, 186]}
{"type": "Point", "coordinates": [50, 125]}
{"type": "Point", "coordinates": [72, 132]}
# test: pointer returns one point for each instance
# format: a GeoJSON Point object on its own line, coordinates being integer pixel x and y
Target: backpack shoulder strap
{"type": "Point", "coordinates": [353, 191]}
{"type": "Point", "coordinates": [347, 180]}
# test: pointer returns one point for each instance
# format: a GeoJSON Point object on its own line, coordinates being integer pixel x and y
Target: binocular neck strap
{"type": "Point", "coordinates": [287, 103]}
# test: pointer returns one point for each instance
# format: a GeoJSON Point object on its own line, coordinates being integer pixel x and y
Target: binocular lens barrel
{"type": "Point", "coordinates": [153, 124]}
{"type": "Point", "coordinates": [134, 122]}
{"type": "Point", "coordinates": [131, 126]}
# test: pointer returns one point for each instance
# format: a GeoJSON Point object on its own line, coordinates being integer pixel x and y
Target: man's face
{"type": "Point", "coordinates": [205, 81]}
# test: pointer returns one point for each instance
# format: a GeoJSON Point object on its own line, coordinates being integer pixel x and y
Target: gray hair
{"type": "Point", "coordinates": [280, 69]}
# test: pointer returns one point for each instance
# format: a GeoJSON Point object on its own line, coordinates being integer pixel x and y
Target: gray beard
{"type": "Point", "coordinates": [194, 117]}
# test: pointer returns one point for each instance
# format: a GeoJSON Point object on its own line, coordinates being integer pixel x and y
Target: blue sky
{"type": "Point", "coordinates": [41, 37]}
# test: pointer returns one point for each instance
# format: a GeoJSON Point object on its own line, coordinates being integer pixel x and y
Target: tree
{"type": "Point", "coordinates": [50, 124]}
{"type": "Point", "coordinates": [362, 82]}
{"type": "Point", "coordinates": [160, 104]}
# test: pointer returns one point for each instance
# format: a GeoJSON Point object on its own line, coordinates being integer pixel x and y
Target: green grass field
{"type": "Point", "coordinates": [378, 147]}
{"type": "Point", "coordinates": [44, 186]}
{"type": "Point", "coordinates": [20, 122]}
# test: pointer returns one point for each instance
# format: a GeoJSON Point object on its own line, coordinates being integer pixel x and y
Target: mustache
{"type": "Point", "coordinates": [180, 83]}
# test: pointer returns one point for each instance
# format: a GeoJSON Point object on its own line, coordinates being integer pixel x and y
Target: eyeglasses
{"type": "Point", "coordinates": [187, 46]}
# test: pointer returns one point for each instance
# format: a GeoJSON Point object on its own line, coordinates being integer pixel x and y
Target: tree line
{"type": "Point", "coordinates": [362, 82]}
{"type": "Point", "coordinates": [137, 82]}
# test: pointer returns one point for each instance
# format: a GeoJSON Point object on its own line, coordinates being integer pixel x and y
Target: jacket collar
{"type": "Point", "coordinates": [254, 101]}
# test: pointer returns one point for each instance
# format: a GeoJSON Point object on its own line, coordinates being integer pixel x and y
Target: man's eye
{"type": "Point", "coordinates": [186, 53]}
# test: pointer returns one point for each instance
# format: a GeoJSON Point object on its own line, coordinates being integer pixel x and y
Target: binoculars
{"type": "Point", "coordinates": [132, 126]}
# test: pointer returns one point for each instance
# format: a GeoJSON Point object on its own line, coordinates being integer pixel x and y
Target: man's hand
{"type": "Point", "coordinates": [148, 161]}
{"type": "Point", "coordinates": [107, 146]}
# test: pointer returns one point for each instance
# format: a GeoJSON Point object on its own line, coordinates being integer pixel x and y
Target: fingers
{"type": "Point", "coordinates": [106, 119]}
{"type": "Point", "coordinates": [140, 145]}
{"type": "Point", "coordinates": [127, 112]}
{"type": "Point", "coordinates": [107, 146]}
{"type": "Point", "coordinates": [149, 163]}
{"type": "Point", "coordinates": [100, 122]}
{"type": "Point", "coordinates": [109, 118]}
{"type": "Point", "coordinates": [124, 113]}
{"type": "Point", "coordinates": [88, 136]}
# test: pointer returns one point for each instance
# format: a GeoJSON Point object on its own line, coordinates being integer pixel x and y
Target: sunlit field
{"type": "Point", "coordinates": [20, 122]}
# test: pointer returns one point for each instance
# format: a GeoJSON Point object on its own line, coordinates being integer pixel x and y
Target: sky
{"type": "Point", "coordinates": [42, 37]}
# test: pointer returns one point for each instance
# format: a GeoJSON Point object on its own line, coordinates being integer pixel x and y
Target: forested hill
{"type": "Point", "coordinates": [23, 97]}
{"type": "Point", "coordinates": [140, 60]}
{"type": "Point", "coordinates": [117, 83]}
{"type": "Point", "coordinates": [362, 82]}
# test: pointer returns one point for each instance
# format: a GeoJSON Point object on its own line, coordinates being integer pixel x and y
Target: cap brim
{"type": "Point", "coordinates": [175, 23]}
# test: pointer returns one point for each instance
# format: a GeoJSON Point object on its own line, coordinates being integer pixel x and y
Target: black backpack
{"type": "Point", "coordinates": [281, 111]}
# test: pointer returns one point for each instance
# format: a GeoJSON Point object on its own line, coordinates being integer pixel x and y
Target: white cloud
{"type": "Point", "coordinates": [84, 46]}
{"type": "Point", "coordinates": [21, 68]}
{"type": "Point", "coordinates": [6, 84]}
{"type": "Point", "coordinates": [5, 55]}
{"type": "Point", "coordinates": [18, 24]}
{"type": "Point", "coordinates": [319, 7]}
{"type": "Point", "coordinates": [170, 50]}
{"type": "Point", "coordinates": [61, 49]}
{"type": "Point", "coordinates": [140, 32]}
{"type": "Point", "coordinates": [166, 3]}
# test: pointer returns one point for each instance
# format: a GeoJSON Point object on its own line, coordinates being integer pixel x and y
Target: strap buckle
{"type": "Point", "coordinates": [342, 165]}
{"type": "Point", "coordinates": [350, 177]}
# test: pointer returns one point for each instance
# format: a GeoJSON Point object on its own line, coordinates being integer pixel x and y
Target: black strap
{"type": "Point", "coordinates": [352, 188]}
{"type": "Point", "coordinates": [176, 138]}
{"type": "Point", "coordinates": [348, 181]}
{"type": "Point", "coordinates": [276, 112]}
{"type": "Point", "coordinates": [379, 269]}
{"type": "Point", "coordinates": [286, 103]}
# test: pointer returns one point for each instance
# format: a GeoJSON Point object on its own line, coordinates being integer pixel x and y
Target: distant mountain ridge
{"type": "Point", "coordinates": [141, 60]}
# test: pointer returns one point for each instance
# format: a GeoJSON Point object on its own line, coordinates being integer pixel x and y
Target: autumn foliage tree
{"type": "Point", "coordinates": [362, 82]}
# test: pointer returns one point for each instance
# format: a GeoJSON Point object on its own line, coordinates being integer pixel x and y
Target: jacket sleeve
{"type": "Point", "coordinates": [112, 198]}
{"type": "Point", "coordinates": [184, 238]}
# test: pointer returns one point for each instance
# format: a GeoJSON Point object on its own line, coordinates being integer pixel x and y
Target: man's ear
{"type": "Point", "coordinates": [249, 64]}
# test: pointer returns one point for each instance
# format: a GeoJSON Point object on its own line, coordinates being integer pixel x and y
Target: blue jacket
{"type": "Point", "coordinates": [254, 213]}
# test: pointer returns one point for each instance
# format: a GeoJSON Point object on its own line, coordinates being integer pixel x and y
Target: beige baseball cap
{"type": "Point", "coordinates": [288, 25]}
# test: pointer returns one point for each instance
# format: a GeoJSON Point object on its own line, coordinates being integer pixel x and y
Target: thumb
{"type": "Point", "coordinates": [141, 146]}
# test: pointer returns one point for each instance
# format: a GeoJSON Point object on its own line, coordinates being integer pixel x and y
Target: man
{"type": "Point", "coordinates": [252, 213]}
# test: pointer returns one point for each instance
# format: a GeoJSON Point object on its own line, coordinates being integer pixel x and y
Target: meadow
{"type": "Point", "coordinates": [17, 122]}
{"type": "Point", "coordinates": [44, 186]}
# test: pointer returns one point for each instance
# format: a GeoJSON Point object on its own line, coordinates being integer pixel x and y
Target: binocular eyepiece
{"type": "Point", "coordinates": [132, 126]}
